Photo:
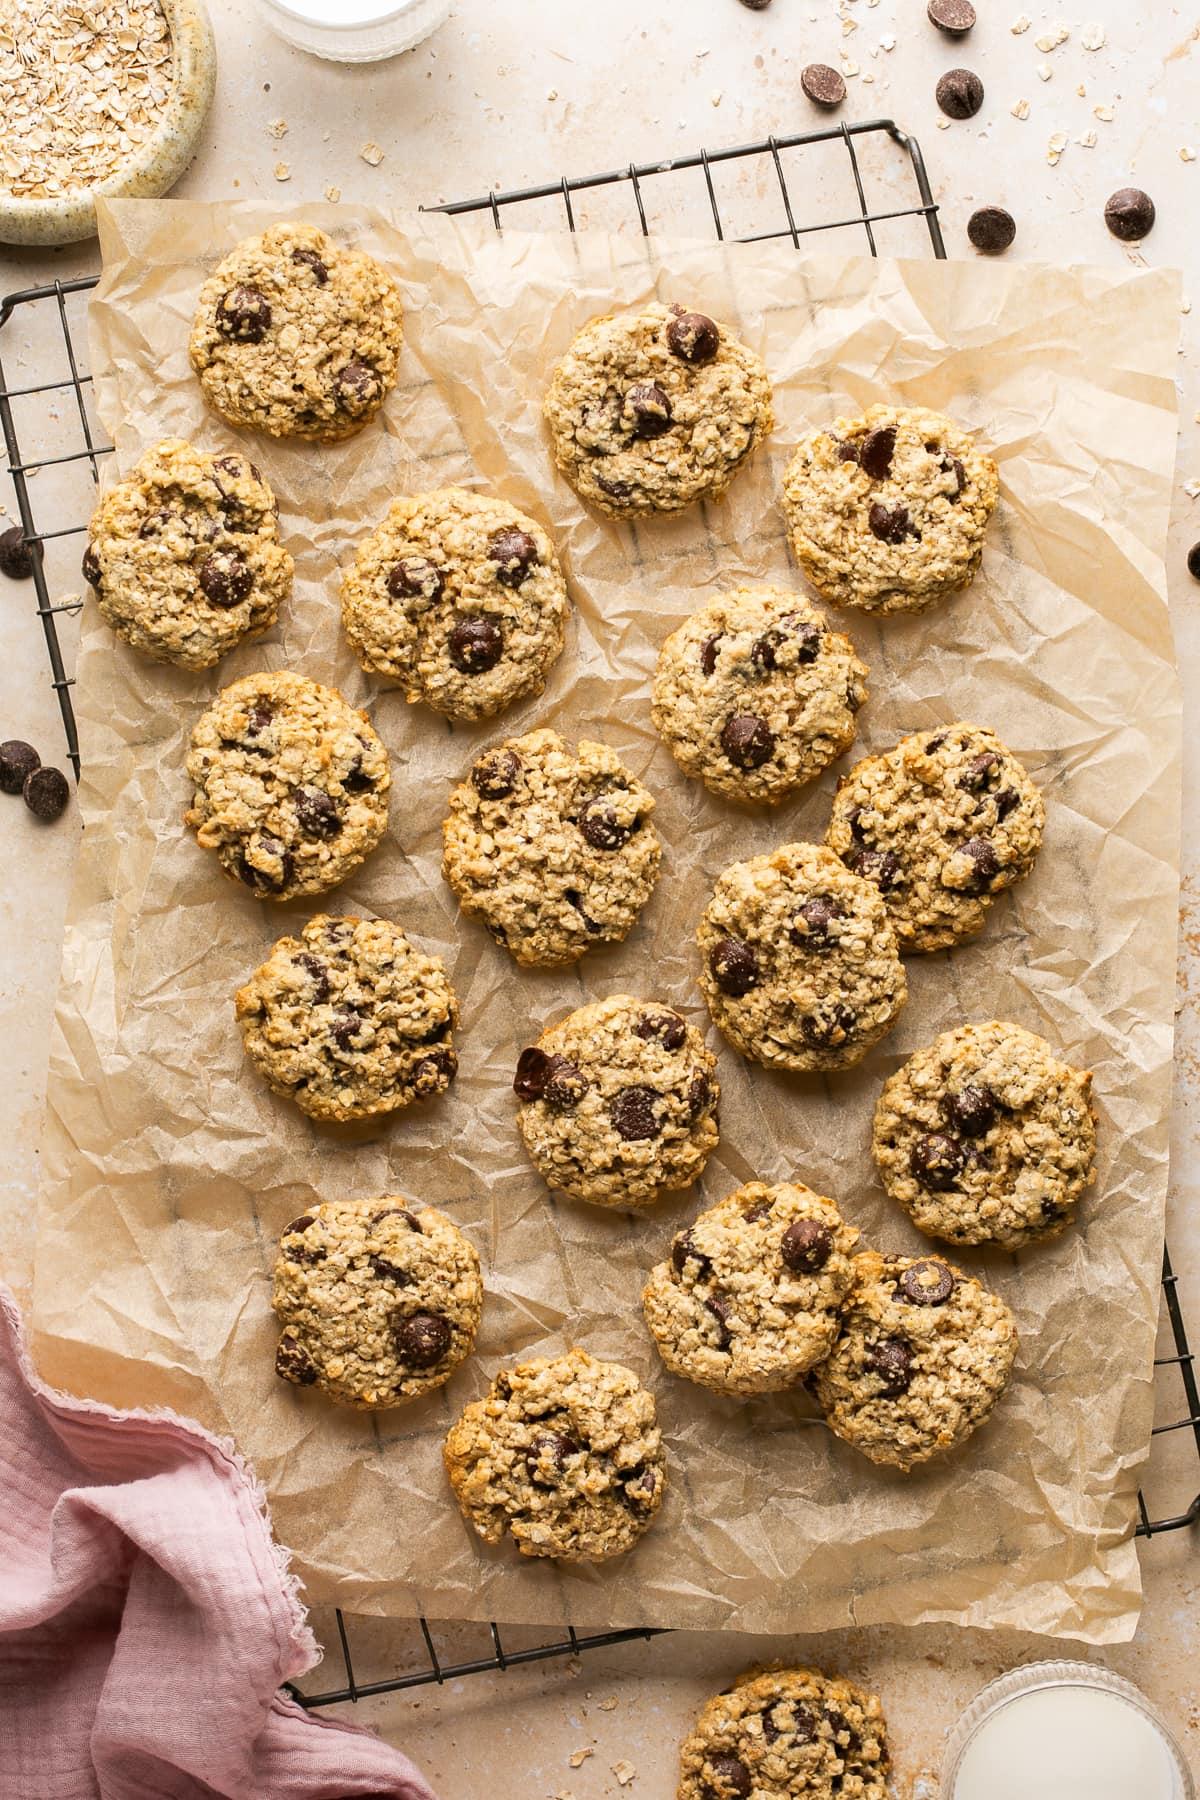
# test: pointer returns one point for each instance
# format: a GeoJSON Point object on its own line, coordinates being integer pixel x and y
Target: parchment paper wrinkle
{"type": "Point", "coordinates": [170, 1170]}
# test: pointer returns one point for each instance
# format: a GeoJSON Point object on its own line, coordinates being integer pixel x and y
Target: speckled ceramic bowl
{"type": "Point", "coordinates": [155, 166]}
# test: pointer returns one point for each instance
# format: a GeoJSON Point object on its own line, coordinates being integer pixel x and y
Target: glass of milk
{"type": "Point", "coordinates": [1063, 1731]}
{"type": "Point", "coordinates": [355, 30]}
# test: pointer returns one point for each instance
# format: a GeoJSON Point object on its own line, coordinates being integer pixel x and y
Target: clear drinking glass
{"type": "Point", "coordinates": [1063, 1731]}
{"type": "Point", "coordinates": [355, 30]}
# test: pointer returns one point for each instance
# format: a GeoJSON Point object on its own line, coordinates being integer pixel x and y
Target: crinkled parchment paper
{"type": "Point", "coordinates": [170, 1168]}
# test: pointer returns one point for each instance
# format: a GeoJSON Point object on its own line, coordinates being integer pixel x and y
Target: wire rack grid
{"type": "Point", "coordinates": [770, 210]}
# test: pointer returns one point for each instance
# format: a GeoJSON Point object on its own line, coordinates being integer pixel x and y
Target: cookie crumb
{"type": "Point", "coordinates": [1186, 153]}
{"type": "Point", "coordinates": [579, 1757]}
{"type": "Point", "coordinates": [371, 154]}
{"type": "Point", "coordinates": [278, 128]}
{"type": "Point", "coordinates": [624, 1772]}
{"type": "Point", "coordinates": [282, 171]}
{"type": "Point", "coordinates": [1093, 37]}
{"type": "Point", "coordinates": [609, 1705]}
{"type": "Point", "coordinates": [333, 194]}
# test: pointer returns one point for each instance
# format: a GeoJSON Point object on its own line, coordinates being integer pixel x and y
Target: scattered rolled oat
{"type": "Point", "coordinates": [1020, 109]}
{"type": "Point", "coordinates": [888, 42]}
{"type": "Point", "coordinates": [278, 128]}
{"type": "Point", "coordinates": [1088, 140]}
{"type": "Point", "coordinates": [1093, 37]}
{"type": "Point", "coordinates": [1050, 40]}
{"type": "Point", "coordinates": [624, 1772]}
{"type": "Point", "coordinates": [282, 171]}
{"type": "Point", "coordinates": [1104, 112]}
{"type": "Point", "coordinates": [1020, 25]}
{"type": "Point", "coordinates": [849, 69]}
{"type": "Point", "coordinates": [1186, 153]}
{"type": "Point", "coordinates": [1055, 147]}
{"type": "Point", "coordinates": [1044, 71]}
{"type": "Point", "coordinates": [84, 87]}
{"type": "Point", "coordinates": [372, 154]}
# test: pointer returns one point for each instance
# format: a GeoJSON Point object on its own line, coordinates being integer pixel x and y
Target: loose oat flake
{"type": "Point", "coordinates": [1186, 153]}
{"type": "Point", "coordinates": [1020, 25]}
{"type": "Point", "coordinates": [1093, 37]}
{"type": "Point", "coordinates": [84, 87]}
{"type": "Point", "coordinates": [1020, 109]}
{"type": "Point", "coordinates": [372, 154]}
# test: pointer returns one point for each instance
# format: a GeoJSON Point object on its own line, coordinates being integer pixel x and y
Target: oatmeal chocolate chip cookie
{"type": "Point", "coordinates": [985, 1137]}
{"type": "Point", "coordinates": [349, 1020]}
{"type": "Point", "coordinates": [553, 851]}
{"type": "Point", "coordinates": [654, 410]}
{"type": "Point", "coordinates": [291, 785]}
{"type": "Point", "coordinates": [888, 512]}
{"type": "Point", "coordinates": [779, 1733]}
{"type": "Point", "coordinates": [924, 1354]}
{"type": "Point", "coordinates": [297, 337]}
{"type": "Point", "coordinates": [753, 1291]}
{"type": "Point", "coordinates": [798, 961]}
{"type": "Point", "coordinates": [755, 695]}
{"type": "Point", "coordinates": [461, 598]}
{"type": "Point", "coordinates": [564, 1454]}
{"type": "Point", "coordinates": [619, 1102]}
{"type": "Point", "coordinates": [940, 824]}
{"type": "Point", "coordinates": [185, 556]}
{"type": "Point", "coordinates": [377, 1301]}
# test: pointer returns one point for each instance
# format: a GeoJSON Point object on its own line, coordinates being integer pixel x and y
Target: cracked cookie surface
{"type": "Point", "coordinates": [461, 598]}
{"type": "Point", "coordinates": [350, 1020]}
{"type": "Point", "coordinates": [888, 511]}
{"type": "Point", "coordinates": [798, 961]}
{"type": "Point", "coordinates": [923, 1356]}
{"type": "Point", "coordinates": [754, 695]}
{"type": "Point", "coordinates": [290, 784]}
{"type": "Point", "coordinates": [296, 336]}
{"type": "Point", "coordinates": [787, 1734]}
{"type": "Point", "coordinates": [940, 824]}
{"type": "Point", "coordinates": [563, 1455]}
{"type": "Point", "coordinates": [752, 1293]}
{"type": "Point", "coordinates": [650, 411]}
{"type": "Point", "coordinates": [552, 849]}
{"type": "Point", "coordinates": [619, 1102]}
{"type": "Point", "coordinates": [986, 1137]}
{"type": "Point", "coordinates": [377, 1300]}
{"type": "Point", "coordinates": [184, 555]}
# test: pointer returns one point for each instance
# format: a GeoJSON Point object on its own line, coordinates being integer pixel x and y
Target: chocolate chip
{"type": "Point", "coordinates": [415, 578]}
{"type": "Point", "coordinates": [90, 566]}
{"type": "Point", "coordinates": [1129, 214]}
{"type": "Point", "coordinates": [847, 452]}
{"type": "Point", "coordinates": [972, 1110]}
{"type": "Point", "coordinates": [257, 720]}
{"type": "Point", "coordinates": [982, 853]}
{"type": "Point", "coordinates": [756, 5]}
{"type": "Point", "coordinates": [770, 1729]}
{"type": "Point", "coordinates": [620, 490]}
{"type": "Point", "coordinates": [244, 314]}
{"type": "Point", "coordinates": [45, 792]}
{"type": "Point", "coordinates": [693, 337]}
{"type": "Point", "coordinates": [734, 966]}
{"type": "Point", "coordinates": [155, 523]}
{"type": "Point", "coordinates": [437, 1032]}
{"type": "Point", "coordinates": [960, 477]}
{"type": "Point", "coordinates": [684, 1250]}
{"type": "Point", "coordinates": [476, 645]}
{"type": "Point", "coordinates": [991, 229]}
{"type": "Point", "coordinates": [804, 1724]}
{"type": "Point", "coordinates": [1007, 800]}
{"type": "Point", "coordinates": [320, 977]}
{"type": "Point", "coordinates": [719, 1307]}
{"type": "Point", "coordinates": [16, 559]}
{"type": "Point", "coordinates": [397, 1212]}
{"type": "Point", "coordinates": [927, 1283]}
{"type": "Point", "coordinates": [533, 1072]}
{"type": "Point", "coordinates": [259, 879]}
{"type": "Point", "coordinates": [423, 1339]}
{"type": "Point", "coordinates": [665, 1027]}
{"type": "Point", "coordinates": [841, 1727]}
{"type": "Point", "coordinates": [890, 524]}
{"type": "Point", "coordinates": [822, 85]}
{"type": "Point", "coordinates": [356, 386]}
{"type": "Point", "coordinates": [601, 827]}
{"type": "Point", "coordinates": [891, 1359]}
{"type": "Point", "coordinates": [954, 17]}
{"type": "Point", "coordinates": [384, 1270]}
{"type": "Point", "coordinates": [347, 1024]}
{"type": "Point", "coordinates": [1193, 562]}
{"type": "Point", "coordinates": [879, 866]}
{"type": "Point", "coordinates": [764, 652]}
{"type": "Point", "coordinates": [547, 1456]}
{"type": "Point", "coordinates": [298, 1225]}
{"type": "Point", "coordinates": [633, 1113]}
{"type": "Point", "coordinates": [935, 743]}
{"type": "Point", "coordinates": [708, 649]}
{"type": "Point", "coordinates": [225, 577]}
{"type": "Point", "coordinates": [293, 1364]}
{"type": "Point", "coordinates": [959, 93]}
{"type": "Point", "coordinates": [18, 760]}
{"type": "Point", "coordinates": [310, 260]}
{"type": "Point", "coordinates": [825, 1031]}
{"type": "Point", "coordinates": [495, 774]}
{"type": "Point", "coordinates": [649, 409]}
{"type": "Point", "coordinates": [811, 924]}
{"type": "Point", "coordinates": [747, 741]}
{"type": "Point", "coordinates": [516, 553]}
{"type": "Point", "coordinates": [433, 1073]}
{"type": "Point", "coordinates": [733, 1777]}
{"type": "Point", "coordinates": [879, 447]}
{"type": "Point", "coordinates": [565, 1085]}
{"type": "Point", "coordinates": [806, 1245]}
{"type": "Point", "coordinates": [937, 1161]}
{"type": "Point", "coordinates": [699, 1096]}
{"type": "Point", "coordinates": [317, 814]}
{"type": "Point", "coordinates": [979, 772]}
{"type": "Point", "coordinates": [356, 780]}
{"type": "Point", "coordinates": [640, 1487]}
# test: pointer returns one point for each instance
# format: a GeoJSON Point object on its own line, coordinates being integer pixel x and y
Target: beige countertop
{"type": "Point", "coordinates": [519, 91]}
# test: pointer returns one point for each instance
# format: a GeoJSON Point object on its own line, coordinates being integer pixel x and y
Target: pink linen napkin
{"type": "Point", "coordinates": [147, 1618]}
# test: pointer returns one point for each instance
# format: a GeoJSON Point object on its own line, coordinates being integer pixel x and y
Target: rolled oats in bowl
{"type": "Point", "coordinates": [101, 97]}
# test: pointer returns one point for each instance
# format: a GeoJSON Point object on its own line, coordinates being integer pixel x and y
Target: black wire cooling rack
{"type": "Point", "coordinates": [741, 193]}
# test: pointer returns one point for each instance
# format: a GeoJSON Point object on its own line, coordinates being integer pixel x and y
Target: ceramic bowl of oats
{"type": "Point", "coordinates": [102, 99]}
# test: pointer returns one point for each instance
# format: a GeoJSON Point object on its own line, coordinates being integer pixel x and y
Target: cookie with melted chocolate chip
{"type": "Point", "coordinates": [781, 1731]}
{"type": "Point", "coordinates": [296, 336]}
{"type": "Point", "coordinates": [618, 1102]}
